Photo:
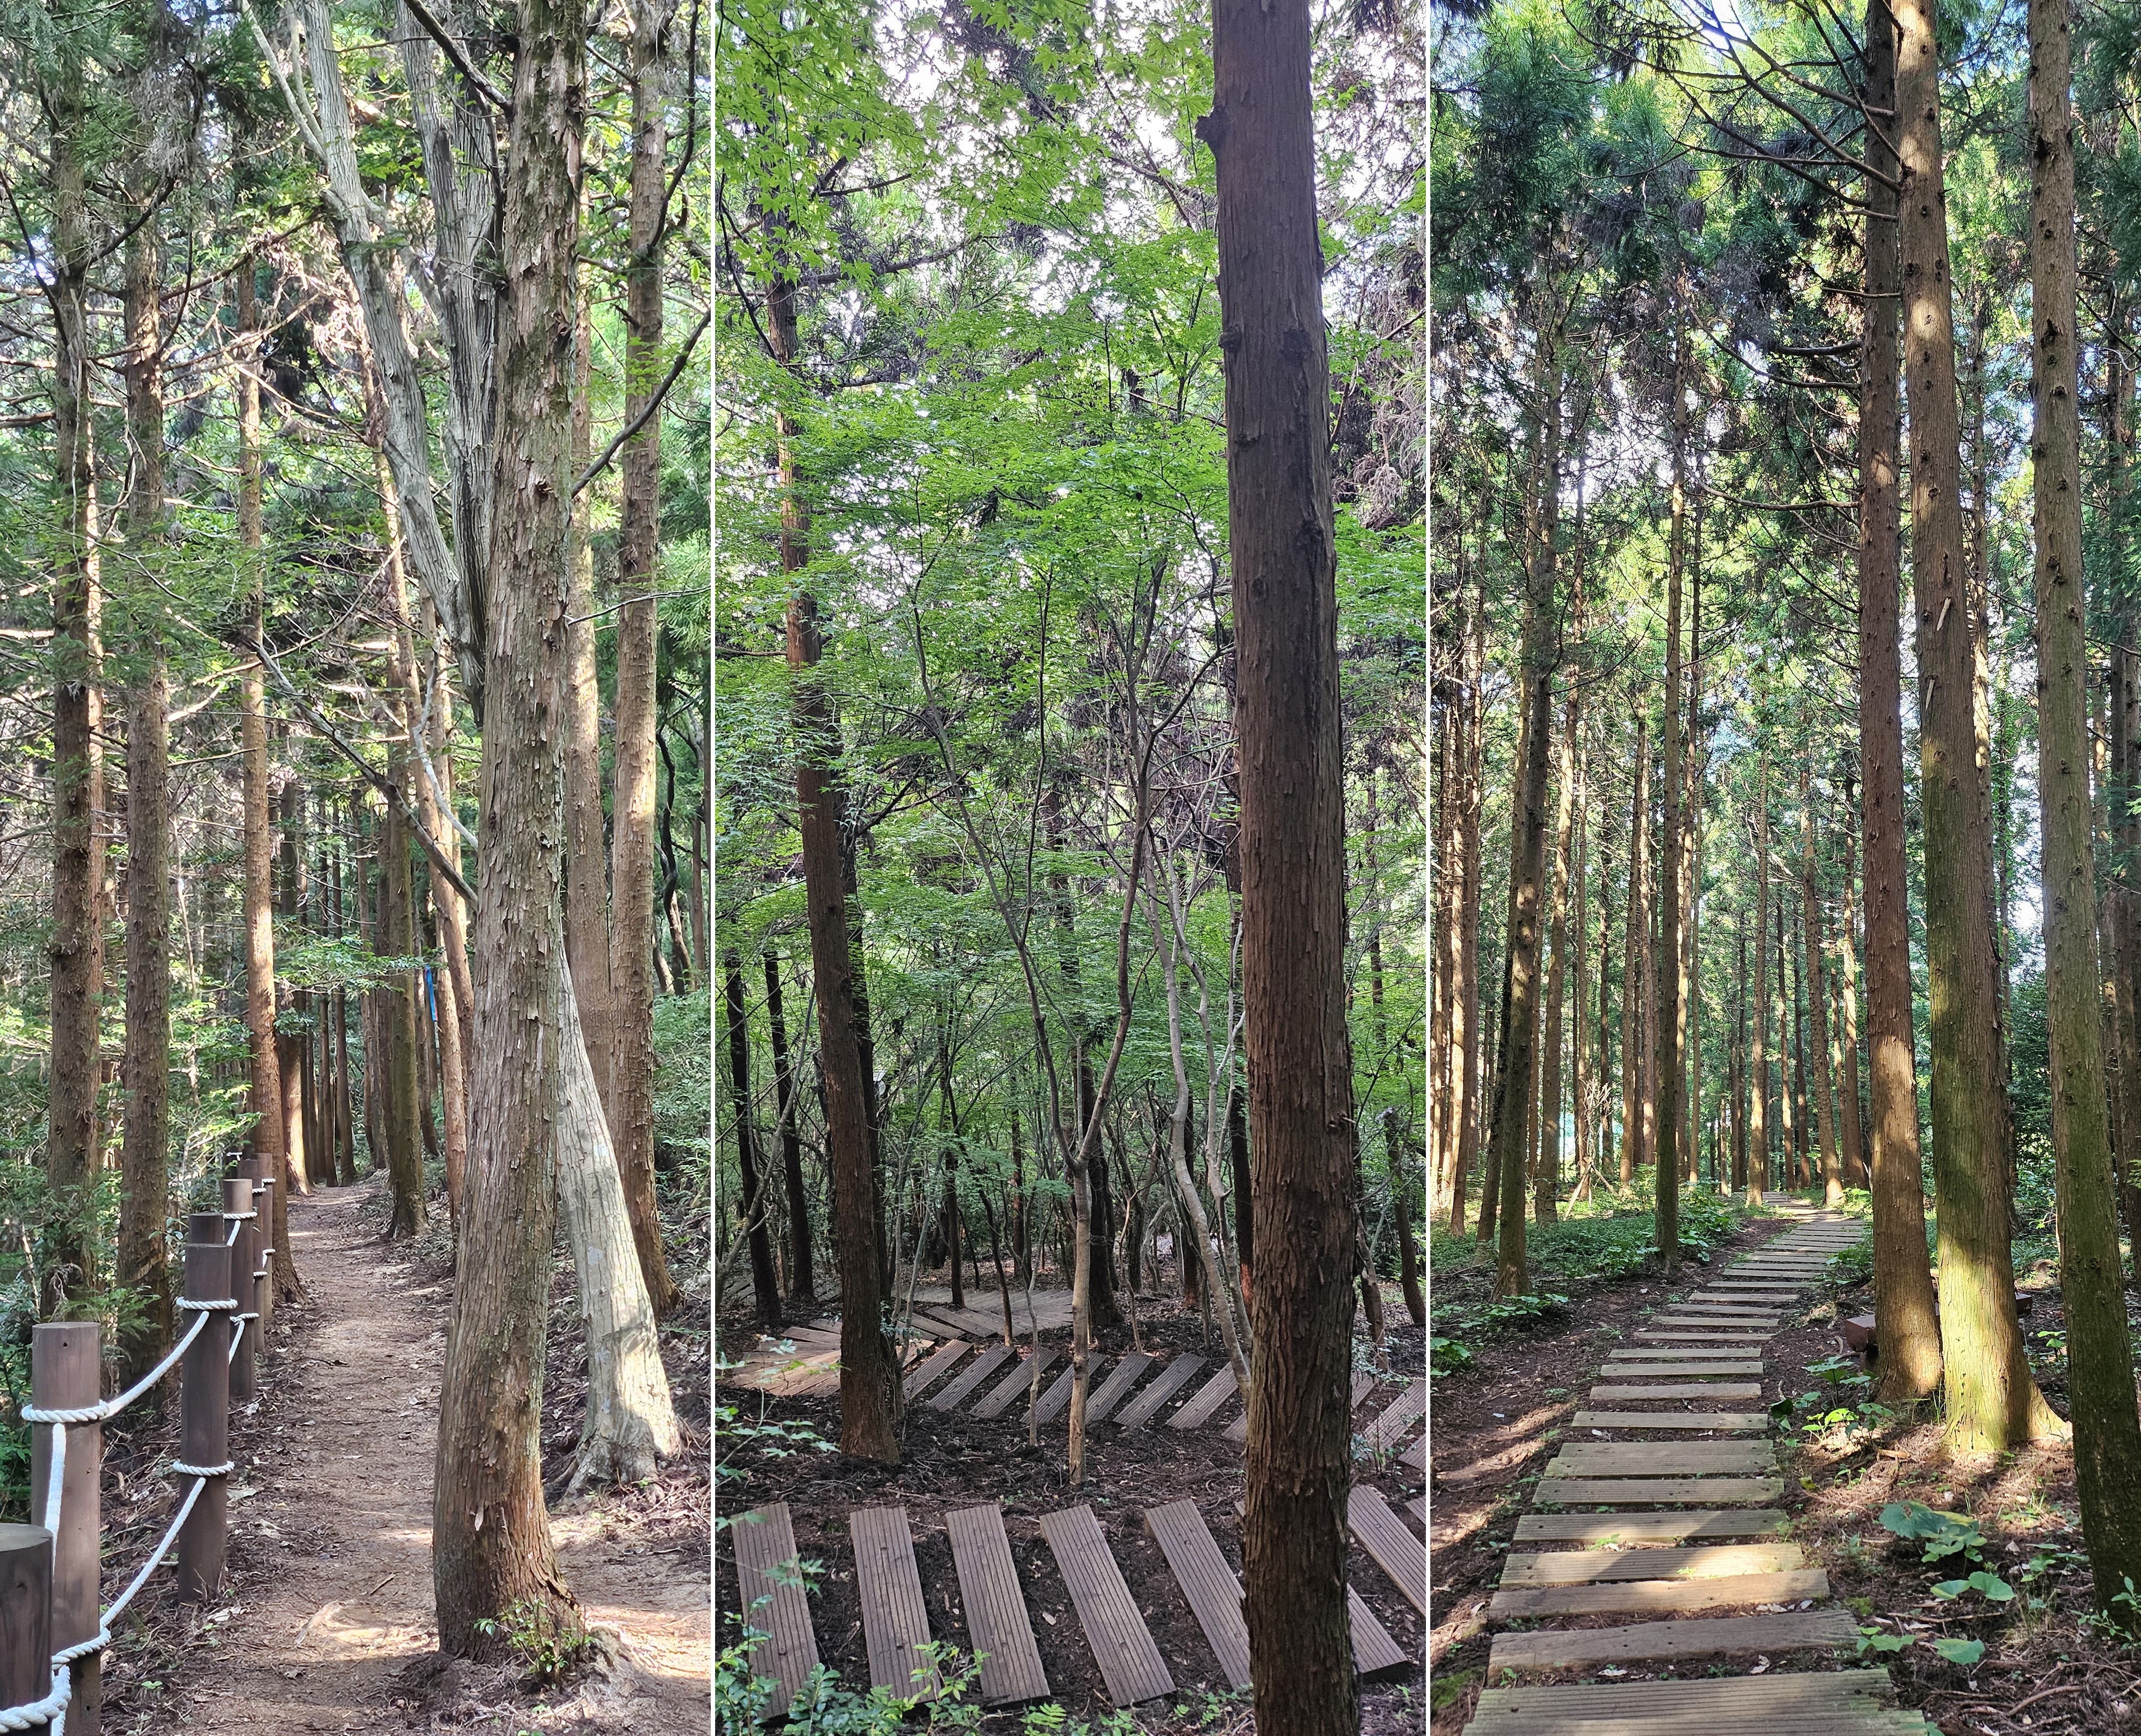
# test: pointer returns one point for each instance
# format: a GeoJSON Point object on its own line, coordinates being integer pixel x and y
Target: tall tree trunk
{"type": "Point", "coordinates": [870, 1374]}
{"type": "Point", "coordinates": [1910, 1362]}
{"type": "Point", "coordinates": [144, 1198]}
{"type": "Point", "coordinates": [1670, 1052]}
{"type": "Point", "coordinates": [1468, 924]}
{"type": "Point", "coordinates": [801, 1288]}
{"type": "Point", "coordinates": [1789, 1082]}
{"type": "Point", "coordinates": [399, 1017]}
{"type": "Point", "coordinates": [1587, 1156]}
{"type": "Point", "coordinates": [2106, 1429]}
{"type": "Point", "coordinates": [1262, 131]}
{"type": "Point", "coordinates": [632, 848]}
{"type": "Point", "coordinates": [1546, 1184]}
{"type": "Point", "coordinates": [1832, 1170]}
{"type": "Point", "coordinates": [587, 862]}
{"type": "Point", "coordinates": [1517, 1070]}
{"type": "Point", "coordinates": [756, 1207]}
{"type": "Point", "coordinates": [288, 1044]}
{"type": "Point", "coordinates": [1632, 970]}
{"type": "Point", "coordinates": [267, 1101]}
{"type": "Point", "coordinates": [1992, 1402]}
{"type": "Point", "coordinates": [1758, 1088]}
{"type": "Point", "coordinates": [1605, 1140]}
{"type": "Point", "coordinates": [491, 1546]}
{"type": "Point", "coordinates": [1855, 1168]}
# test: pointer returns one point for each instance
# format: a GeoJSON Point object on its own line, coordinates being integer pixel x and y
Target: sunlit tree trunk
{"type": "Point", "coordinates": [1632, 970]}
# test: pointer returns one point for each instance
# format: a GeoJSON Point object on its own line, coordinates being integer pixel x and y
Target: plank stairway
{"type": "Point", "coordinates": [1673, 1535]}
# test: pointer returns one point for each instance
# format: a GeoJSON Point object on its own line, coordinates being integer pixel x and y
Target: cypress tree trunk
{"type": "Point", "coordinates": [801, 1287]}
{"type": "Point", "coordinates": [1260, 131]}
{"type": "Point", "coordinates": [1757, 1086]}
{"type": "Point", "coordinates": [491, 1547]}
{"type": "Point", "coordinates": [1992, 1402]}
{"type": "Point", "coordinates": [2107, 1430]}
{"type": "Point", "coordinates": [398, 1018]}
{"type": "Point", "coordinates": [1632, 970]}
{"type": "Point", "coordinates": [765, 1280]}
{"type": "Point", "coordinates": [1832, 1171]}
{"type": "Point", "coordinates": [1545, 1186]}
{"type": "Point", "coordinates": [144, 1203]}
{"type": "Point", "coordinates": [1855, 1169]}
{"type": "Point", "coordinates": [1670, 1055]}
{"type": "Point", "coordinates": [1910, 1361]}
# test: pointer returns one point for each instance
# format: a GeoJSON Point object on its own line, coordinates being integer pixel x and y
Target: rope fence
{"type": "Point", "coordinates": [52, 1631]}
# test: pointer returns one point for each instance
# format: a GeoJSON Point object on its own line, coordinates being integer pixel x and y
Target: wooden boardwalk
{"type": "Point", "coordinates": [1130, 1663]}
{"type": "Point", "coordinates": [997, 1622]}
{"type": "Point", "coordinates": [774, 1603]}
{"type": "Point", "coordinates": [895, 1621]}
{"type": "Point", "coordinates": [1703, 1539]}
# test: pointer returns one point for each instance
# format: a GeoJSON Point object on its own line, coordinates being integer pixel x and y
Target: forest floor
{"type": "Point", "coordinates": [2046, 1671]}
{"type": "Point", "coordinates": [955, 1460]}
{"type": "Point", "coordinates": [326, 1623]}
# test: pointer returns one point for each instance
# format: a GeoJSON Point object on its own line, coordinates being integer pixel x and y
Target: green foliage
{"type": "Point", "coordinates": [1942, 1534]}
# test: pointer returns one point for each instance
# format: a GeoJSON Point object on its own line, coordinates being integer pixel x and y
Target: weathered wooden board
{"type": "Point", "coordinates": [1640, 1528]}
{"type": "Point", "coordinates": [1642, 1362]}
{"type": "Point", "coordinates": [1659, 1597]}
{"type": "Point", "coordinates": [1210, 1396]}
{"type": "Point", "coordinates": [1416, 1455]}
{"type": "Point", "coordinates": [1396, 1551]}
{"type": "Point", "coordinates": [764, 1541]}
{"type": "Point", "coordinates": [1595, 1566]}
{"type": "Point", "coordinates": [1057, 1398]}
{"type": "Point", "coordinates": [1176, 1375]}
{"type": "Point", "coordinates": [1808, 1703]}
{"type": "Point", "coordinates": [1014, 1385]}
{"type": "Point", "coordinates": [1716, 1389]}
{"type": "Point", "coordinates": [1130, 1663]}
{"type": "Point", "coordinates": [1692, 1353]}
{"type": "Point", "coordinates": [1373, 1648]}
{"type": "Point", "coordinates": [927, 1373]}
{"type": "Point", "coordinates": [1390, 1427]}
{"type": "Point", "coordinates": [1646, 1491]}
{"type": "Point", "coordinates": [1662, 1458]}
{"type": "Point", "coordinates": [1694, 1339]}
{"type": "Point", "coordinates": [1564, 1648]}
{"type": "Point", "coordinates": [895, 1621]}
{"type": "Point", "coordinates": [1215, 1594]}
{"type": "Point", "coordinates": [1730, 1421]}
{"type": "Point", "coordinates": [1110, 1394]}
{"type": "Point", "coordinates": [997, 1622]}
{"type": "Point", "coordinates": [978, 1371]}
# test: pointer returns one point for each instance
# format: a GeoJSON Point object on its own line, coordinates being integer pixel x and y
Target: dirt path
{"type": "Point", "coordinates": [331, 1534]}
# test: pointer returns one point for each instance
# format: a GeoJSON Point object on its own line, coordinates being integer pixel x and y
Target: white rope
{"type": "Point", "coordinates": [231, 1240]}
{"type": "Point", "coordinates": [95, 1643]}
{"type": "Point", "coordinates": [237, 1338]}
{"type": "Point", "coordinates": [54, 1478]}
{"type": "Point", "coordinates": [179, 1467]}
{"type": "Point", "coordinates": [112, 1407]}
{"type": "Point", "coordinates": [48, 1714]}
{"type": "Point", "coordinates": [156, 1556]}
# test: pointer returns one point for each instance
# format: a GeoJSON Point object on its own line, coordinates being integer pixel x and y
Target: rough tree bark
{"type": "Point", "coordinates": [801, 1288]}
{"type": "Point", "coordinates": [144, 1202]}
{"type": "Point", "coordinates": [2107, 1429]}
{"type": "Point", "coordinates": [491, 1536]}
{"type": "Point", "coordinates": [1992, 1402]}
{"type": "Point", "coordinates": [1260, 131]}
{"type": "Point", "coordinates": [1670, 1056]}
{"type": "Point", "coordinates": [1832, 1170]}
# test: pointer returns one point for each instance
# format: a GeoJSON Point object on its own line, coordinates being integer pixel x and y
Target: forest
{"type": "Point", "coordinates": [994, 910]}
{"type": "Point", "coordinates": [354, 671]}
{"type": "Point", "coordinates": [1785, 729]}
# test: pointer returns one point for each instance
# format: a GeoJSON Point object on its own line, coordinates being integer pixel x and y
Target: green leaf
{"type": "Point", "coordinates": [1965, 1652]}
{"type": "Point", "coordinates": [1994, 1588]}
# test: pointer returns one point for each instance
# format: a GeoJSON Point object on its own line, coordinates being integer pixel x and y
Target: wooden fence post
{"type": "Point", "coordinates": [204, 1411]}
{"type": "Point", "coordinates": [67, 1373]}
{"type": "Point", "coordinates": [243, 1369]}
{"type": "Point", "coordinates": [264, 1183]}
{"type": "Point", "coordinates": [26, 1614]}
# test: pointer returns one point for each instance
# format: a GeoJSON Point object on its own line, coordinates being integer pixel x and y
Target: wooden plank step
{"type": "Point", "coordinates": [764, 1541]}
{"type": "Point", "coordinates": [1416, 1455]}
{"type": "Point", "coordinates": [1210, 1396]}
{"type": "Point", "coordinates": [930, 1371]}
{"type": "Point", "coordinates": [1642, 1362]}
{"type": "Point", "coordinates": [1690, 1353]}
{"type": "Point", "coordinates": [1396, 1551]}
{"type": "Point", "coordinates": [1215, 1594]}
{"type": "Point", "coordinates": [1696, 1338]}
{"type": "Point", "coordinates": [978, 1371]}
{"type": "Point", "coordinates": [1390, 1427]}
{"type": "Point", "coordinates": [1363, 1384]}
{"type": "Point", "coordinates": [895, 1621]}
{"type": "Point", "coordinates": [1176, 1375]}
{"type": "Point", "coordinates": [1057, 1398]}
{"type": "Point", "coordinates": [1764, 1327]}
{"type": "Point", "coordinates": [1639, 1597]}
{"type": "Point", "coordinates": [1110, 1394]}
{"type": "Point", "coordinates": [997, 1622]}
{"type": "Point", "coordinates": [1014, 1385]}
{"type": "Point", "coordinates": [1644, 1491]}
{"type": "Point", "coordinates": [1716, 1389]}
{"type": "Point", "coordinates": [1730, 1421]}
{"type": "Point", "coordinates": [1417, 1506]}
{"type": "Point", "coordinates": [1595, 1566]}
{"type": "Point", "coordinates": [1747, 1313]}
{"type": "Point", "coordinates": [1661, 1458]}
{"type": "Point", "coordinates": [1564, 1649]}
{"type": "Point", "coordinates": [1804, 1703]}
{"type": "Point", "coordinates": [1130, 1663]}
{"type": "Point", "coordinates": [1373, 1648]}
{"type": "Point", "coordinates": [1638, 1528]}
{"type": "Point", "coordinates": [946, 1328]}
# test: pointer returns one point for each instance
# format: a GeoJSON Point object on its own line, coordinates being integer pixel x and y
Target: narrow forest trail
{"type": "Point", "coordinates": [339, 1633]}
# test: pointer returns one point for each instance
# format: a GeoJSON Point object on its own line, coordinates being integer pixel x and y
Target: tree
{"type": "Point", "coordinates": [1261, 131]}
{"type": "Point", "coordinates": [2107, 1426]}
